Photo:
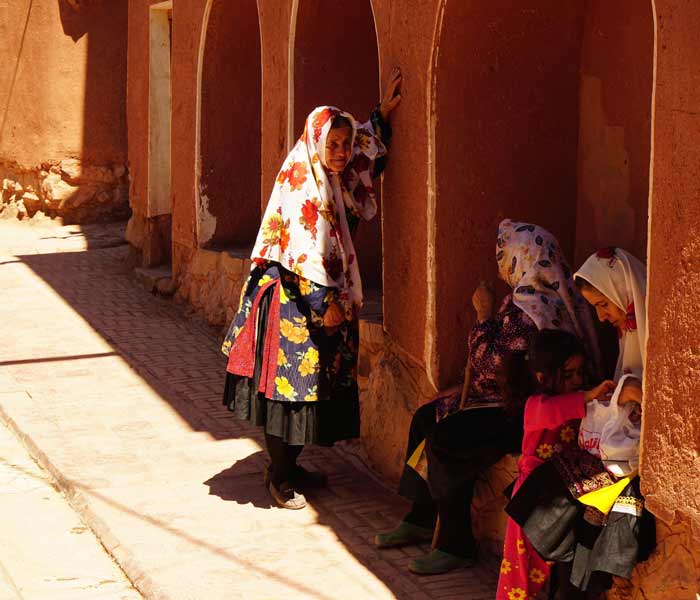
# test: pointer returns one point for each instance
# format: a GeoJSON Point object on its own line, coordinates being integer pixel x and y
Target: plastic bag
{"type": "Point", "coordinates": [608, 432]}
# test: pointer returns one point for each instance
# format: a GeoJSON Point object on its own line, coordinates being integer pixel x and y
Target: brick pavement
{"type": "Point", "coordinates": [126, 413]}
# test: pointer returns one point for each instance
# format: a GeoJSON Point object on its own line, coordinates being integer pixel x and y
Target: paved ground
{"type": "Point", "coordinates": [118, 397]}
{"type": "Point", "coordinates": [46, 551]}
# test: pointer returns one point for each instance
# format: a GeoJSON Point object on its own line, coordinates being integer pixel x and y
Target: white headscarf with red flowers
{"type": "Point", "coordinates": [304, 227]}
{"type": "Point", "coordinates": [622, 278]}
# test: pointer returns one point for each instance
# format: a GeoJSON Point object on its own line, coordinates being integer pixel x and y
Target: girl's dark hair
{"type": "Point", "coordinates": [548, 351]}
{"type": "Point", "coordinates": [341, 121]}
{"type": "Point", "coordinates": [582, 284]}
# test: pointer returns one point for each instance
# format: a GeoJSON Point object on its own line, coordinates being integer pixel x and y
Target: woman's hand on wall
{"type": "Point", "coordinates": [392, 94]}
{"type": "Point", "coordinates": [483, 301]}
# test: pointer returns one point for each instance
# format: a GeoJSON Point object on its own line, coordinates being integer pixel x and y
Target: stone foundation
{"type": "Point", "coordinates": [150, 238]}
{"type": "Point", "coordinates": [392, 386]}
{"type": "Point", "coordinates": [673, 570]}
{"type": "Point", "coordinates": [70, 189]}
{"type": "Point", "coordinates": [210, 281]}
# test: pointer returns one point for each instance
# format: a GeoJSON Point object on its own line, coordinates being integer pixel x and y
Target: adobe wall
{"type": "Point", "coordinates": [152, 237]}
{"type": "Point", "coordinates": [615, 127]}
{"type": "Point", "coordinates": [506, 135]}
{"type": "Point", "coordinates": [671, 426]}
{"type": "Point", "coordinates": [230, 124]}
{"type": "Point", "coordinates": [405, 30]}
{"type": "Point", "coordinates": [62, 109]}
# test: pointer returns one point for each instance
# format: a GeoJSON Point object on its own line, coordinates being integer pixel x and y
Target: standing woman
{"type": "Point", "coordinates": [293, 343]}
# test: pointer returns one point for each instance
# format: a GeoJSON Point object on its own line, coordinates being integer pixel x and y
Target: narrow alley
{"type": "Point", "coordinates": [118, 395]}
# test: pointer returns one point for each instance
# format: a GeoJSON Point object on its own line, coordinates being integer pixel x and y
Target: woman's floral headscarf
{"type": "Point", "coordinates": [304, 227]}
{"type": "Point", "coordinates": [531, 262]}
{"type": "Point", "coordinates": [622, 278]}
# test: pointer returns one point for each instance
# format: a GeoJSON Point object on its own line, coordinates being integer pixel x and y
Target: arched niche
{"type": "Point", "coordinates": [617, 73]}
{"type": "Point", "coordinates": [230, 126]}
{"type": "Point", "coordinates": [515, 126]}
{"type": "Point", "coordinates": [336, 63]}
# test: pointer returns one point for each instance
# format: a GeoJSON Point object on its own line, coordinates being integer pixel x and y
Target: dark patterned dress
{"type": "Point", "coordinates": [490, 342]}
{"type": "Point", "coordinates": [596, 546]}
{"type": "Point", "coordinates": [459, 440]}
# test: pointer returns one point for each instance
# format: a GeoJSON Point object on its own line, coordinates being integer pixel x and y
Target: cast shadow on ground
{"type": "Point", "coordinates": [242, 482]}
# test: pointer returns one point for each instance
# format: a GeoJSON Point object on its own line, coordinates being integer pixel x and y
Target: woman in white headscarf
{"type": "Point", "coordinates": [595, 537]}
{"type": "Point", "coordinates": [614, 282]}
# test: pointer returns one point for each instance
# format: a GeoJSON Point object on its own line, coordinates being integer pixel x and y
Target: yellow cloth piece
{"type": "Point", "coordinates": [415, 457]}
{"type": "Point", "coordinates": [604, 498]}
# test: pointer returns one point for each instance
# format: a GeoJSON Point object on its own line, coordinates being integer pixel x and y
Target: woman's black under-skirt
{"type": "Point", "coordinates": [559, 529]}
{"type": "Point", "coordinates": [458, 449]}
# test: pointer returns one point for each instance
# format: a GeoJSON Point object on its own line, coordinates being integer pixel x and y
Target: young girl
{"type": "Point", "coordinates": [564, 505]}
{"type": "Point", "coordinates": [554, 369]}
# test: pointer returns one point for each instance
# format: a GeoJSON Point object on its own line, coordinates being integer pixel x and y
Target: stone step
{"type": "Point", "coordinates": [156, 280]}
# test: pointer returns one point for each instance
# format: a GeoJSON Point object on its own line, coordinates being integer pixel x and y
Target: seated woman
{"type": "Point", "coordinates": [554, 505]}
{"type": "Point", "coordinates": [293, 343]}
{"type": "Point", "coordinates": [467, 430]}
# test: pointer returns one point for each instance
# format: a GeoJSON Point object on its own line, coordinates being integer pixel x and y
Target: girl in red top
{"type": "Point", "coordinates": [553, 368]}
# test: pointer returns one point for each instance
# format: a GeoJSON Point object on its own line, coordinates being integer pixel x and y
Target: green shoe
{"type": "Point", "coordinates": [404, 535]}
{"type": "Point", "coordinates": [438, 562]}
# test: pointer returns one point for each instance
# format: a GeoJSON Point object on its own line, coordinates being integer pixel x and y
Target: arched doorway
{"type": "Point", "coordinates": [230, 127]}
{"type": "Point", "coordinates": [523, 101]}
{"type": "Point", "coordinates": [336, 63]}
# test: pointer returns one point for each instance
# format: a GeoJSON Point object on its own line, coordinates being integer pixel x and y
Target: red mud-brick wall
{"type": "Point", "coordinates": [671, 426]}
{"type": "Point", "coordinates": [152, 236]}
{"type": "Point", "coordinates": [63, 82]}
{"type": "Point", "coordinates": [405, 37]}
{"type": "Point", "coordinates": [137, 105]}
{"type": "Point", "coordinates": [615, 131]}
{"type": "Point", "coordinates": [188, 20]}
{"type": "Point", "coordinates": [274, 40]}
{"type": "Point", "coordinates": [506, 144]}
{"type": "Point", "coordinates": [395, 363]}
{"type": "Point", "coordinates": [63, 106]}
{"type": "Point", "coordinates": [230, 124]}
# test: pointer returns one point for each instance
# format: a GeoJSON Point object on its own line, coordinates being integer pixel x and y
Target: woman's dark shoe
{"type": "Point", "coordinates": [405, 534]}
{"type": "Point", "coordinates": [302, 478]}
{"type": "Point", "coordinates": [286, 496]}
{"type": "Point", "coordinates": [438, 562]}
